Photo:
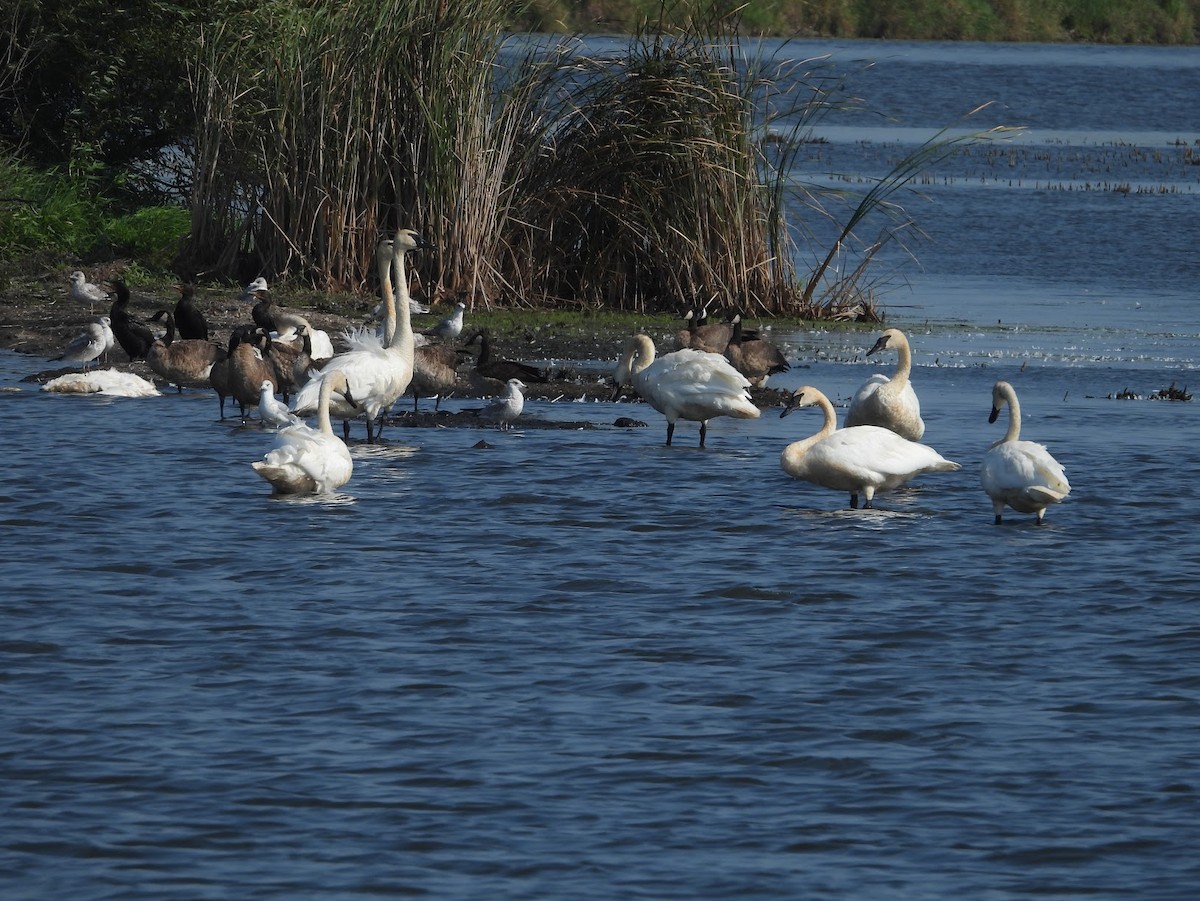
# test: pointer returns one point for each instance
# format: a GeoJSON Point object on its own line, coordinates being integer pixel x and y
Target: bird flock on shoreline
{"type": "Point", "coordinates": [708, 374]}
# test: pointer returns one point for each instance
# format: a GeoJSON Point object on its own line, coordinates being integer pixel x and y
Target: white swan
{"type": "Point", "coordinates": [507, 407]}
{"type": "Point", "coordinates": [859, 459]}
{"type": "Point", "coordinates": [307, 460]}
{"type": "Point", "coordinates": [685, 384]}
{"type": "Point", "coordinates": [271, 410]}
{"type": "Point", "coordinates": [889, 403]}
{"type": "Point", "coordinates": [91, 344]}
{"type": "Point", "coordinates": [110, 382]}
{"type": "Point", "coordinates": [377, 371]}
{"type": "Point", "coordinates": [1018, 473]}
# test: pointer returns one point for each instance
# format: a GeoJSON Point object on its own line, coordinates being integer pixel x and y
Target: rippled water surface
{"type": "Point", "coordinates": [578, 664]}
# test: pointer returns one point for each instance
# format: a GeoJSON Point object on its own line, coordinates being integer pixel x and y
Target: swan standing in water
{"type": "Point", "coordinates": [378, 371]}
{"type": "Point", "coordinates": [1018, 473]}
{"type": "Point", "coordinates": [685, 384]}
{"type": "Point", "coordinates": [307, 460]}
{"type": "Point", "coordinates": [889, 403]}
{"type": "Point", "coordinates": [859, 459]}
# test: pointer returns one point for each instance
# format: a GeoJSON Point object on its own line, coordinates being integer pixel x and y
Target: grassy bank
{"type": "Point", "coordinates": [1089, 21]}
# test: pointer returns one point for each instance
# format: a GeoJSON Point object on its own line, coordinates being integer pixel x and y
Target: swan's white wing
{"type": "Point", "coordinates": [879, 454]}
{"type": "Point", "coordinates": [1023, 468]}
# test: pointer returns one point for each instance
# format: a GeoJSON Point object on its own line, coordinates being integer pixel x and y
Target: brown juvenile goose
{"type": "Point", "coordinates": [185, 364]}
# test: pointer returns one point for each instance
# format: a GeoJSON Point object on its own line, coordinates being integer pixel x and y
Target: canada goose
{"type": "Point", "coordinates": [434, 372]}
{"type": "Point", "coordinates": [88, 346]}
{"type": "Point", "coordinates": [686, 384]}
{"type": "Point", "coordinates": [188, 318]}
{"type": "Point", "coordinates": [714, 337]}
{"type": "Point", "coordinates": [85, 292]}
{"type": "Point", "coordinates": [131, 333]}
{"type": "Point", "coordinates": [756, 360]}
{"type": "Point", "coordinates": [859, 459]}
{"type": "Point", "coordinates": [449, 328]}
{"type": "Point", "coordinates": [488, 371]}
{"type": "Point", "coordinates": [242, 373]}
{"type": "Point", "coordinates": [185, 364]}
{"type": "Point", "coordinates": [1018, 473]}
{"type": "Point", "coordinates": [377, 372]}
{"type": "Point", "coordinates": [890, 403]}
{"type": "Point", "coordinates": [109, 382]}
{"type": "Point", "coordinates": [507, 407]}
{"type": "Point", "coordinates": [307, 460]}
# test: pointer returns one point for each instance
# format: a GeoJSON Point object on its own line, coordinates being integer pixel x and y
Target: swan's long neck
{"type": "Point", "coordinates": [794, 453]}
{"type": "Point", "coordinates": [903, 362]}
{"type": "Point", "coordinates": [383, 263]}
{"type": "Point", "coordinates": [1014, 415]}
{"type": "Point", "coordinates": [323, 424]}
{"type": "Point", "coordinates": [641, 356]}
{"type": "Point", "coordinates": [403, 340]}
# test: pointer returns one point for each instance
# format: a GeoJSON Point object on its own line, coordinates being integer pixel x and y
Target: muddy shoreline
{"type": "Point", "coordinates": [40, 319]}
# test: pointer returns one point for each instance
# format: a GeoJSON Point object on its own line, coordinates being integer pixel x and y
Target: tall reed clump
{"type": "Point", "coordinates": [322, 125]}
{"type": "Point", "coordinates": [642, 180]}
{"type": "Point", "coordinates": [646, 179]}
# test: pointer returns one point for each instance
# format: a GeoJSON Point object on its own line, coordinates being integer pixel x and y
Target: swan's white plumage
{"type": "Point", "coordinates": [685, 384]}
{"type": "Point", "coordinates": [1020, 474]}
{"type": "Point", "coordinates": [307, 460]}
{"type": "Point", "coordinates": [111, 382]}
{"type": "Point", "coordinates": [890, 403]}
{"type": "Point", "coordinates": [859, 459]}
{"type": "Point", "coordinates": [377, 371]}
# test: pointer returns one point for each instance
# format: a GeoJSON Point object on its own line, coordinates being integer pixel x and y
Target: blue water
{"type": "Point", "coordinates": [578, 664]}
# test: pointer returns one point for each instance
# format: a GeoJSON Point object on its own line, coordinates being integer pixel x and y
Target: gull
{"type": "Point", "coordinates": [83, 290]}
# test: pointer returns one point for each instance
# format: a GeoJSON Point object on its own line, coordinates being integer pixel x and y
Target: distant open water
{"type": "Point", "coordinates": [580, 665]}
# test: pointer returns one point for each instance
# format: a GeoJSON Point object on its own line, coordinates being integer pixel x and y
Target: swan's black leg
{"type": "Point", "coordinates": [854, 500]}
{"type": "Point", "coordinates": [999, 519]}
{"type": "Point", "coordinates": [346, 430]}
{"type": "Point", "coordinates": [703, 432]}
{"type": "Point", "coordinates": [670, 432]}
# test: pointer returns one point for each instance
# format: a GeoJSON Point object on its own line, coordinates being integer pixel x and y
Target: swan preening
{"type": "Point", "coordinates": [685, 384]}
{"type": "Point", "coordinates": [861, 459]}
{"type": "Point", "coordinates": [890, 403]}
{"type": "Point", "coordinates": [1016, 473]}
{"type": "Point", "coordinates": [377, 369]}
{"type": "Point", "coordinates": [307, 460]}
